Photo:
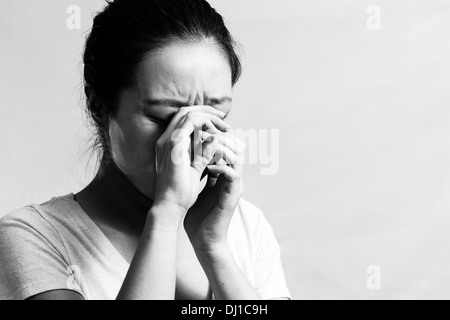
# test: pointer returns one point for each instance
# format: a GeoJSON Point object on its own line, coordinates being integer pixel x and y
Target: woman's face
{"type": "Point", "coordinates": [178, 75]}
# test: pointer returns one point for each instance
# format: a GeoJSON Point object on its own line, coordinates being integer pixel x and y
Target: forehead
{"type": "Point", "coordinates": [188, 71]}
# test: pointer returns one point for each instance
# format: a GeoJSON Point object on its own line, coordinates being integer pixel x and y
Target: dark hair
{"type": "Point", "coordinates": [124, 32]}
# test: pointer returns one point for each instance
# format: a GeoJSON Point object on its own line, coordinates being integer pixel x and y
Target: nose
{"type": "Point", "coordinates": [199, 99]}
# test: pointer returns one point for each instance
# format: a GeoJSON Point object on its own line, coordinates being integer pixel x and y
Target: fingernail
{"type": "Point", "coordinates": [223, 114]}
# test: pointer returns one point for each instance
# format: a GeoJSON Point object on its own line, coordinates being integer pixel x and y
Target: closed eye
{"type": "Point", "coordinates": [162, 122]}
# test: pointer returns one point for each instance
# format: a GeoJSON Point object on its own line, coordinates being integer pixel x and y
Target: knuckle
{"type": "Point", "coordinates": [213, 139]}
{"type": "Point", "coordinates": [190, 115]}
{"type": "Point", "coordinates": [216, 136]}
{"type": "Point", "coordinates": [189, 118]}
{"type": "Point", "coordinates": [173, 142]}
{"type": "Point", "coordinates": [159, 144]}
{"type": "Point", "coordinates": [210, 150]}
{"type": "Point", "coordinates": [230, 159]}
{"type": "Point", "coordinates": [176, 134]}
{"type": "Point", "coordinates": [184, 109]}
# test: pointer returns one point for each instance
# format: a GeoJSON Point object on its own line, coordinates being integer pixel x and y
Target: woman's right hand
{"type": "Point", "coordinates": [177, 177]}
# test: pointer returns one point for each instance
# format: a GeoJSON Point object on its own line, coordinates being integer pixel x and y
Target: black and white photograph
{"type": "Point", "coordinates": [225, 150]}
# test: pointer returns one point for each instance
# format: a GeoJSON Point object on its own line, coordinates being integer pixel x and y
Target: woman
{"type": "Point", "coordinates": [163, 218]}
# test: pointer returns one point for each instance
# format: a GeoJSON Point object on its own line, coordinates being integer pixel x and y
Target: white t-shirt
{"type": "Point", "coordinates": [55, 245]}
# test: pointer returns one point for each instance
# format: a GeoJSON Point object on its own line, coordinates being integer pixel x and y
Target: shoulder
{"type": "Point", "coordinates": [249, 212]}
{"type": "Point", "coordinates": [248, 224]}
{"type": "Point", "coordinates": [25, 218]}
{"type": "Point", "coordinates": [250, 216]}
{"type": "Point", "coordinates": [249, 207]}
{"type": "Point", "coordinates": [33, 257]}
{"type": "Point", "coordinates": [33, 223]}
{"type": "Point", "coordinates": [31, 216]}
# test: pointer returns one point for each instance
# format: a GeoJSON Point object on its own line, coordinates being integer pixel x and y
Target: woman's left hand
{"type": "Point", "coordinates": [207, 221]}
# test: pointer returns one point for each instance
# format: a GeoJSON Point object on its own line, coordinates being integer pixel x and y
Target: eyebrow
{"type": "Point", "coordinates": [219, 100]}
{"type": "Point", "coordinates": [179, 103]}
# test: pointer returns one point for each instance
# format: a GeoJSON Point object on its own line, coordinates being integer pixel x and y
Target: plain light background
{"type": "Point", "coordinates": [364, 120]}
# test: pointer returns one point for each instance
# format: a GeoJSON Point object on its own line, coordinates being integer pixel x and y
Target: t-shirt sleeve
{"type": "Point", "coordinates": [270, 281]}
{"type": "Point", "coordinates": [33, 258]}
{"type": "Point", "coordinates": [266, 273]}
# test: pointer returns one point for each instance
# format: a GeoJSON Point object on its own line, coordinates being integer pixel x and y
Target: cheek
{"type": "Point", "coordinates": [133, 143]}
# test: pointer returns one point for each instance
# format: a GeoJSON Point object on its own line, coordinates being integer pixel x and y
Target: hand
{"type": "Point", "coordinates": [177, 179]}
{"type": "Point", "coordinates": [207, 221]}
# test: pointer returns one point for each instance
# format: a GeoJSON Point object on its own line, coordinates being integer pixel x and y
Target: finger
{"type": "Point", "coordinates": [223, 155]}
{"type": "Point", "coordinates": [239, 149]}
{"type": "Point", "coordinates": [229, 173]}
{"type": "Point", "coordinates": [200, 135]}
{"type": "Point", "coordinates": [207, 121]}
{"type": "Point", "coordinates": [232, 142]}
{"type": "Point", "coordinates": [202, 149]}
{"type": "Point", "coordinates": [177, 119]}
{"type": "Point", "coordinates": [234, 145]}
{"type": "Point", "coordinates": [201, 121]}
{"type": "Point", "coordinates": [238, 164]}
{"type": "Point", "coordinates": [209, 149]}
{"type": "Point", "coordinates": [183, 111]}
{"type": "Point", "coordinates": [212, 153]}
{"type": "Point", "coordinates": [180, 142]}
{"type": "Point", "coordinates": [227, 177]}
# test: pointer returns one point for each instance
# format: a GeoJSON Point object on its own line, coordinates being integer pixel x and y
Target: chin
{"type": "Point", "coordinates": [143, 179]}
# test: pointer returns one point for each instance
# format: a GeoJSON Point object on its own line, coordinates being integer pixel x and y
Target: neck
{"type": "Point", "coordinates": [118, 190]}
